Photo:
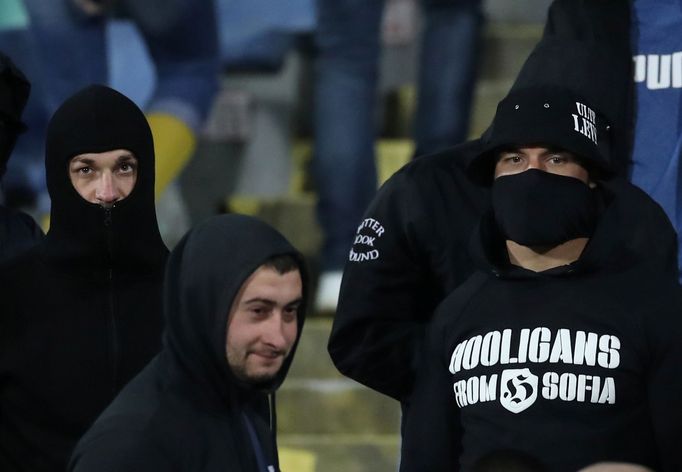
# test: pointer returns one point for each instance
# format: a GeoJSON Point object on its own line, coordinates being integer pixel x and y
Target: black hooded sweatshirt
{"type": "Point", "coordinates": [186, 411]}
{"type": "Point", "coordinates": [81, 312]}
{"type": "Point", "coordinates": [411, 251]}
{"type": "Point", "coordinates": [575, 365]}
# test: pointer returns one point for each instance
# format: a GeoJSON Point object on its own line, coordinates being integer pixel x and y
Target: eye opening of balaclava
{"type": "Point", "coordinates": [124, 184]}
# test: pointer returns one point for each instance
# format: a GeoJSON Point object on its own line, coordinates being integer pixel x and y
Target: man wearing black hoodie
{"type": "Point", "coordinates": [18, 231]}
{"type": "Point", "coordinates": [81, 312]}
{"type": "Point", "coordinates": [235, 292]}
{"type": "Point", "coordinates": [410, 250]}
{"type": "Point", "coordinates": [561, 345]}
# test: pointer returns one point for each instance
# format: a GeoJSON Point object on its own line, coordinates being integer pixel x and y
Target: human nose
{"type": "Point", "coordinates": [106, 191]}
{"type": "Point", "coordinates": [535, 163]}
{"type": "Point", "coordinates": [274, 332]}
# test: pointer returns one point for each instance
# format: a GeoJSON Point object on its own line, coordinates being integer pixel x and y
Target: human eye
{"type": "Point", "coordinates": [510, 158]}
{"type": "Point", "coordinates": [290, 313]}
{"type": "Point", "coordinates": [557, 159]}
{"type": "Point", "coordinates": [84, 170]}
{"type": "Point", "coordinates": [258, 311]}
{"type": "Point", "coordinates": [127, 167]}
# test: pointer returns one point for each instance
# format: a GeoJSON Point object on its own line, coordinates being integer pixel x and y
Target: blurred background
{"type": "Point", "coordinates": [293, 111]}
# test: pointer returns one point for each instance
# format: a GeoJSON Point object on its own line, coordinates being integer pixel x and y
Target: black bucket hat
{"type": "Point", "coordinates": [545, 115]}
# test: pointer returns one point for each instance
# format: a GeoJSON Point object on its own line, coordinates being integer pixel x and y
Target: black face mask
{"type": "Point", "coordinates": [537, 208]}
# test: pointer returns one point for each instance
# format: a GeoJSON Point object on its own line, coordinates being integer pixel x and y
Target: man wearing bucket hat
{"type": "Point", "coordinates": [410, 250]}
{"type": "Point", "coordinates": [18, 231]}
{"type": "Point", "coordinates": [562, 345]}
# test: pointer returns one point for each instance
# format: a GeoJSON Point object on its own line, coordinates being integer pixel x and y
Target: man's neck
{"type": "Point", "coordinates": [539, 259]}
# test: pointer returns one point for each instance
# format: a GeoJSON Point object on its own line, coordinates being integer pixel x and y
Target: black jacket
{"type": "Point", "coordinates": [18, 232]}
{"type": "Point", "coordinates": [426, 211]}
{"type": "Point", "coordinates": [81, 311]}
{"type": "Point", "coordinates": [573, 366]}
{"type": "Point", "coordinates": [415, 251]}
{"type": "Point", "coordinates": [186, 411]}
{"type": "Point", "coordinates": [410, 252]}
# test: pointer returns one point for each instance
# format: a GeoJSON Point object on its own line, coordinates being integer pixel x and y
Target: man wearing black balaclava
{"type": "Point", "coordinates": [81, 312]}
{"type": "Point", "coordinates": [560, 346]}
{"type": "Point", "coordinates": [18, 231]}
{"type": "Point", "coordinates": [410, 250]}
{"type": "Point", "coordinates": [234, 295]}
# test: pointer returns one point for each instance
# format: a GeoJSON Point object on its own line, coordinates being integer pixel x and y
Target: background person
{"type": "Point", "coordinates": [346, 86]}
{"type": "Point", "coordinates": [18, 231]}
{"type": "Point", "coordinates": [235, 294]}
{"type": "Point", "coordinates": [81, 311]}
{"type": "Point", "coordinates": [65, 47]}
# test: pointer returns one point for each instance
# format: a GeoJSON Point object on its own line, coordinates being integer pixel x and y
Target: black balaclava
{"type": "Point", "coordinates": [14, 92]}
{"type": "Point", "coordinates": [203, 276]}
{"type": "Point", "coordinates": [538, 208]}
{"type": "Point", "coordinates": [86, 237]}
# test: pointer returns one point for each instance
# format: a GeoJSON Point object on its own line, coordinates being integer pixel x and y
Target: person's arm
{"type": "Point", "coordinates": [383, 303]}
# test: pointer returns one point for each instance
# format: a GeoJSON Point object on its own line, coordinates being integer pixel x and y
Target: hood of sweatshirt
{"type": "Point", "coordinates": [85, 237]}
{"type": "Point", "coordinates": [203, 277]}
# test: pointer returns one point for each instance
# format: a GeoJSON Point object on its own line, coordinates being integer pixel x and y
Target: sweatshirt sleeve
{"type": "Point", "coordinates": [665, 381]}
{"type": "Point", "coordinates": [120, 452]}
{"type": "Point", "coordinates": [380, 318]}
{"type": "Point", "coordinates": [377, 327]}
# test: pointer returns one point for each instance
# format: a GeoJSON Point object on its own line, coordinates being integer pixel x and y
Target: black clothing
{"type": "Point", "coordinates": [14, 92]}
{"type": "Point", "coordinates": [18, 232]}
{"type": "Point", "coordinates": [81, 311]}
{"type": "Point", "coordinates": [574, 365]}
{"type": "Point", "coordinates": [187, 411]}
{"type": "Point", "coordinates": [595, 34]}
{"type": "Point", "coordinates": [411, 251]}
{"type": "Point", "coordinates": [545, 113]}
{"type": "Point", "coordinates": [538, 208]}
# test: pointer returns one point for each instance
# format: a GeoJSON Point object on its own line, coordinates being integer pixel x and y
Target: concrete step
{"type": "Point", "coordinates": [317, 399]}
{"type": "Point", "coordinates": [534, 11]}
{"type": "Point", "coordinates": [334, 407]}
{"type": "Point", "coordinates": [312, 361]}
{"type": "Point", "coordinates": [329, 423]}
{"type": "Point", "coordinates": [339, 453]}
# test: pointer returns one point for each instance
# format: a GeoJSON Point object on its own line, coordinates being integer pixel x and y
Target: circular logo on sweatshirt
{"type": "Point", "coordinates": [365, 243]}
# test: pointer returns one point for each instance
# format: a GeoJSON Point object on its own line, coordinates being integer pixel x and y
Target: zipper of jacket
{"type": "Point", "coordinates": [112, 314]}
